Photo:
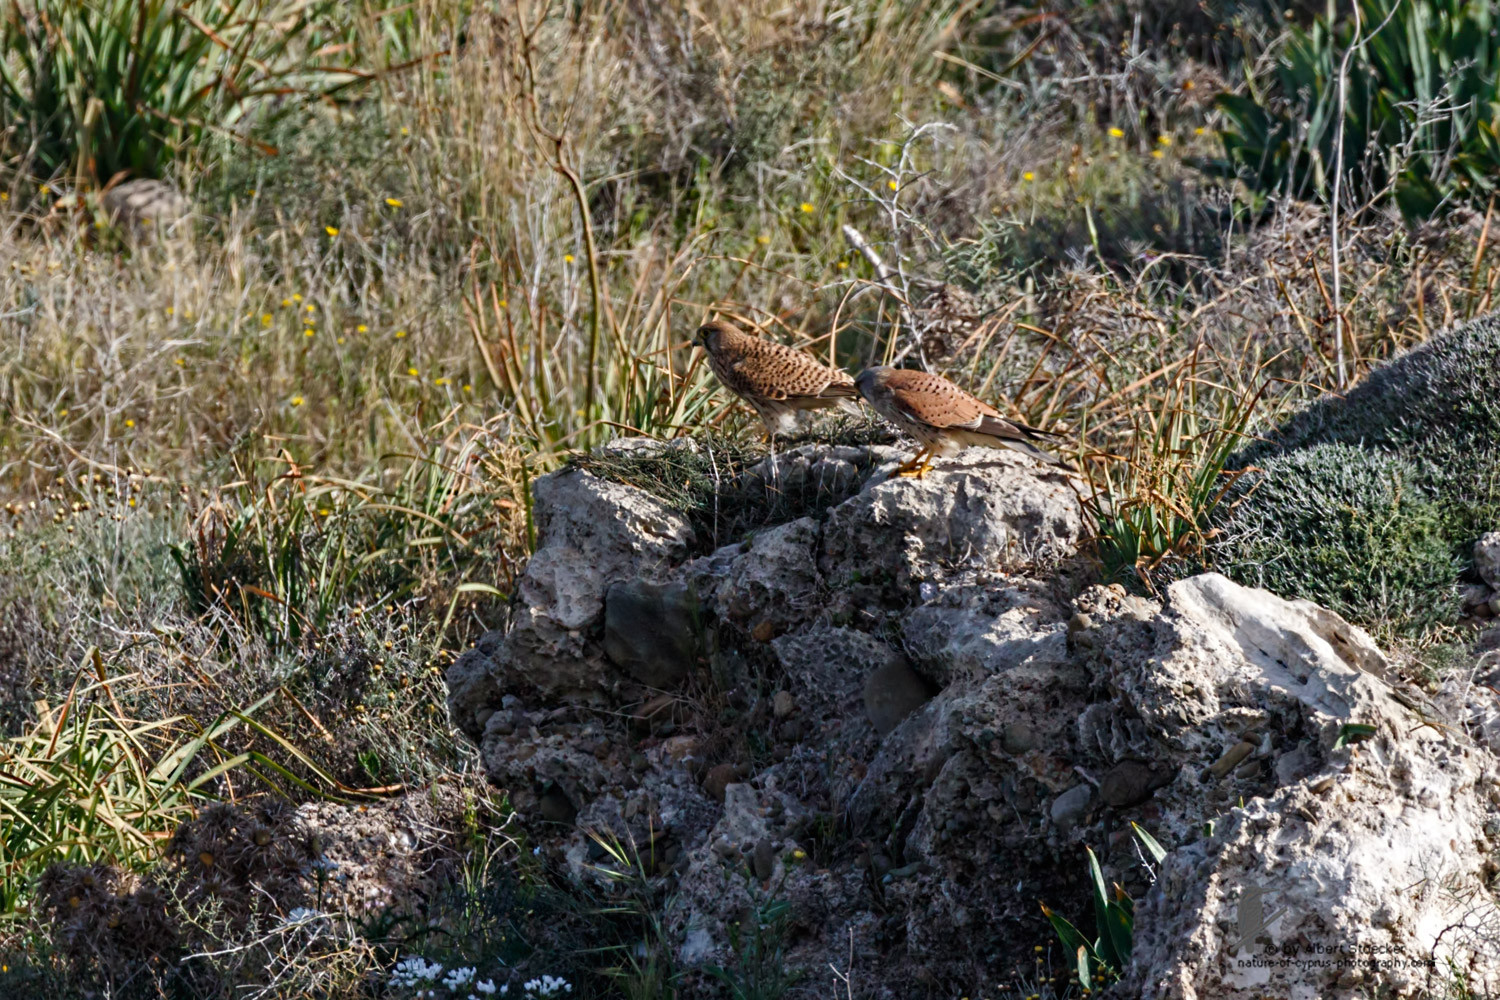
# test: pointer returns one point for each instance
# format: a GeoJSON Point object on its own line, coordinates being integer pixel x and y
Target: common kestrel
{"type": "Point", "coordinates": [775, 379]}
{"type": "Point", "coordinates": [942, 417]}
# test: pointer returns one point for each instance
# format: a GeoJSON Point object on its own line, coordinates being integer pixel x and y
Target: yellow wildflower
{"type": "Point", "coordinates": [393, 202]}
{"type": "Point", "coordinates": [1165, 140]}
{"type": "Point", "coordinates": [1156, 154]}
{"type": "Point", "coordinates": [130, 423]}
{"type": "Point", "coordinates": [892, 185]}
{"type": "Point", "coordinates": [330, 230]}
{"type": "Point", "coordinates": [763, 239]}
{"type": "Point", "coordinates": [567, 258]}
{"type": "Point", "coordinates": [400, 334]}
{"type": "Point", "coordinates": [170, 310]}
{"type": "Point", "coordinates": [296, 400]}
{"type": "Point", "coordinates": [1117, 133]}
{"type": "Point", "coordinates": [265, 319]}
{"type": "Point", "coordinates": [807, 207]}
{"type": "Point", "coordinates": [412, 372]}
{"type": "Point", "coordinates": [1028, 176]}
{"type": "Point", "coordinates": [361, 329]}
{"type": "Point", "coordinates": [296, 297]}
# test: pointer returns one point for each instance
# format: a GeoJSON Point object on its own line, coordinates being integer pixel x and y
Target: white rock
{"type": "Point", "coordinates": [1487, 558]}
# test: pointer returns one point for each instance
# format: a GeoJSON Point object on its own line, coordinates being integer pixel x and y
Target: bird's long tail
{"type": "Point", "coordinates": [1022, 438]}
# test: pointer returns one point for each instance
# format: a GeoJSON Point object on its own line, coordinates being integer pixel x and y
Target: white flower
{"type": "Point", "coordinates": [459, 978]}
{"type": "Point", "coordinates": [300, 915]}
{"type": "Point", "coordinates": [485, 986]}
{"type": "Point", "coordinates": [413, 969]}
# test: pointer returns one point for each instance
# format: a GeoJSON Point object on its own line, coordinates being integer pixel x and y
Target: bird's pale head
{"type": "Point", "coordinates": [710, 336]}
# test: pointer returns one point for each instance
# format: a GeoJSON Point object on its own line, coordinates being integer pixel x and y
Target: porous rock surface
{"type": "Point", "coordinates": [904, 718]}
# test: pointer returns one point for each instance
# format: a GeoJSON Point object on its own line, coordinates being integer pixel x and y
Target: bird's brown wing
{"type": "Point", "coordinates": [776, 371]}
{"type": "Point", "coordinates": [936, 402]}
{"type": "Point", "coordinates": [931, 400]}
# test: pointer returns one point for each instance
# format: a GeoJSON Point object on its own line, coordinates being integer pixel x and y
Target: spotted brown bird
{"type": "Point", "coordinates": [942, 417]}
{"type": "Point", "coordinates": [775, 379]}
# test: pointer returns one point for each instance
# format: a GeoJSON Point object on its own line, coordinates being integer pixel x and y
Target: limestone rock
{"type": "Point", "coordinates": [1344, 858]}
{"type": "Point", "coordinates": [1262, 741]}
{"type": "Point", "coordinates": [827, 668]}
{"type": "Point", "coordinates": [1487, 558]}
{"type": "Point", "coordinates": [892, 691]}
{"type": "Point", "coordinates": [653, 631]}
{"type": "Point", "coordinates": [769, 581]}
{"type": "Point", "coordinates": [476, 685]}
{"type": "Point", "coordinates": [592, 533]}
{"type": "Point", "coordinates": [968, 633]}
{"type": "Point", "coordinates": [987, 511]}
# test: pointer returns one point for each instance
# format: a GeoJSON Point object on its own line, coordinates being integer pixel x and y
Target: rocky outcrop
{"type": "Point", "coordinates": [592, 533]}
{"type": "Point", "coordinates": [896, 723]}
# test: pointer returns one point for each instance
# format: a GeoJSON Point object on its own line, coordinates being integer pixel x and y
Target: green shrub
{"type": "Point", "coordinates": [1420, 112]}
{"type": "Point", "coordinates": [95, 87]}
{"type": "Point", "coordinates": [1348, 529]}
{"type": "Point", "coordinates": [1371, 502]}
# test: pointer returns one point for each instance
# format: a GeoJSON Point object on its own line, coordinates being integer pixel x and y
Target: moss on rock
{"type": "Point", "coordinates": [1349, 529]}
{"type": "Point", "coordinates": [1370, 502]}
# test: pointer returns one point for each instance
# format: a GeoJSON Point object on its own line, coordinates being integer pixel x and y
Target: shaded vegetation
{"type": "Point", "coordinates": [1371, 502]}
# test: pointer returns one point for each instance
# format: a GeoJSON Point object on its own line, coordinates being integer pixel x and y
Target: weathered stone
{"type": "Point", "coordinates": [826, 668]}
{"type": "Point", "coordinates": [763, 859]}
{"type": "Point", "coordinates": [719, 778]}
{"type": "Point", "coordinates": [986, 511]}
{"type": "Point", "coordinates": [970, 632]}
{"type": "Point", "coordinates": [1131, 782]}
{"type": "Point", "coordinates": [892, 691]}
{"type": "Point", "coordinates": [653, 631]}
{"type": "Point", "coordinates": [1069, 808]}
{"type": "Point", "coordinates": [1293, 868]}
{"type": "Point", "coordinates": [1487, 558]}
{"type": "Point", "coordinates": [1052, 725]}
{"type": "Point", "coordinates": [592, 533]}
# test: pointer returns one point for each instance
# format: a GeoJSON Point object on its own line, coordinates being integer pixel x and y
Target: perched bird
{"type": "Point", "coordinates": [775, 379]}
{"type": "Point", "coordinates": [942, 417]}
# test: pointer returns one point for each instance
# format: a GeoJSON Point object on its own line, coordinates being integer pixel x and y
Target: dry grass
{"type": "Point", "coordinates": [329, 392]}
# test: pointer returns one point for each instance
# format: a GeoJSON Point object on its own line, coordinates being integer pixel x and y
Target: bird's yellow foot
{"type": "Point", "coordinates": [915, 466]}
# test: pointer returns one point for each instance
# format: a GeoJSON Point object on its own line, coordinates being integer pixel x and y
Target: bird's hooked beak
{"type": "Point", "coordinates": [698, 339]}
